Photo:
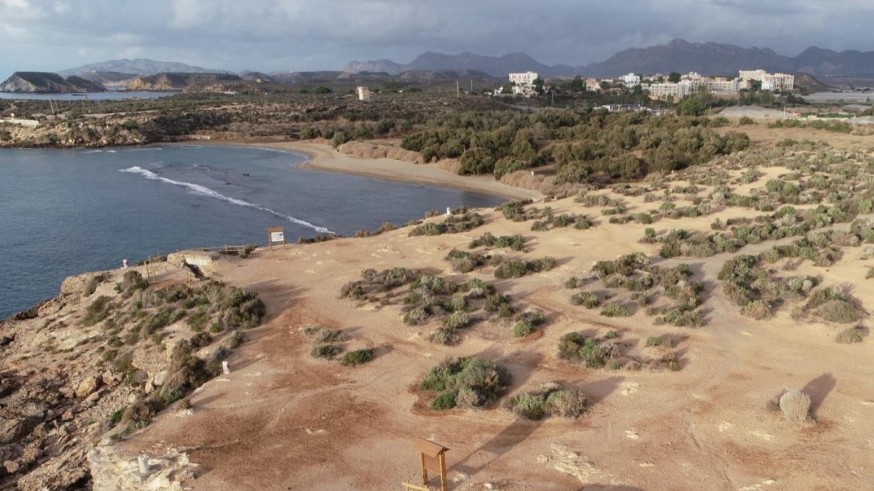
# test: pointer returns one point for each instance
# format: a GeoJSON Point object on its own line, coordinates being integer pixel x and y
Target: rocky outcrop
{"type": "Point", "coordinates": [112, 471]}
{"type": "Point", "coordinates": [180, 81]}
{"type": "Point", "coordinates": [47, 83]}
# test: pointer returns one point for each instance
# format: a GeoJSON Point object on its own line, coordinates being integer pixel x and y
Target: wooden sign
{"type": "Point", "coordinates": [275, 236]}
{"type": "Point", "coordinates": [433, 458]}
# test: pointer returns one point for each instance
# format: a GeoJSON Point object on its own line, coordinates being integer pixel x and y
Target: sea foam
{"type": "Point", "coordinates": [205, 191]}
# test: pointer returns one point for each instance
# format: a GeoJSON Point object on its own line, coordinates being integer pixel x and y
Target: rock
{"type": "Point", "coordinates": [6, 340]}
{"type": "Point", "coordinates": [13, 430]}
{"type": "Point", "coordinates": [11, 467]}
{"type": "Point", "coordinates": [160, 378]}
{"type": "Point", "coordinates": [109, 378]}
{"type": "Point", "coordinates": [68, 415]}
{"type": "Point", "coordinates": [94, 397]}
{"type": "Point", "coordinates": [87, 386]}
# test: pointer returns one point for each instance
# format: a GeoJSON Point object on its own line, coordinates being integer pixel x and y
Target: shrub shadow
{"type": "Point", "coordinates": [818, 389]}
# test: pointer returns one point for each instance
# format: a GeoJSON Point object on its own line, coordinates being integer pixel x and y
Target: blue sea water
{"type": "Point", "coordinates": [64, 212]}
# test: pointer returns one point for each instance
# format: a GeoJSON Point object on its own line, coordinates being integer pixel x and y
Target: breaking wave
{"type": "Point", "coordinates": [205, 191]}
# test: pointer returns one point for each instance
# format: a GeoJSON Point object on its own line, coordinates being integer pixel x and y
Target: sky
{"type": "Point", "coordinates": [302, 35]}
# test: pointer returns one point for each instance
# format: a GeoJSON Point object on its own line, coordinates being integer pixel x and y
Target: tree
{"type": "Point", "coordinates": [577, 84]}
{"type": "Point", "coordinates": [507, 89]}
{"type": "Point", "coordinates": [692, 106]}
{"type": "Point", "coordinates": [674, 77]}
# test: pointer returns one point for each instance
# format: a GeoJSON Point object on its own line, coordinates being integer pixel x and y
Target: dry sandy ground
{"type": "Point", "coordinates": [282, 420]}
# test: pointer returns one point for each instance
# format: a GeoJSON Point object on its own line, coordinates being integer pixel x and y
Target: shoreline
{"type": "Point", "coordinates": [323, 157]}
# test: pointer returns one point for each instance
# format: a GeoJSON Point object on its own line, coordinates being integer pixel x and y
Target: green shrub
{"type": "Point", "coordinates": [485, 378]}
{"type": "Point", "coordinates": [588, 300]}
{"type": "Point", "coordinates": [852, 335]}
{"type": "Point", "coordinates": [654, 341]}
{"type": "Point", "coordinates": [357, 357]}
{"type": "Point", "coordinates": [615, 310]}
{"type": "Point", "coordinates": [839, 311]}
{"type": "Point", "coordinates": [98, 310]}
{"type": "Point", "coordinates": [512, 269]}
{"type": "Point", "coordinates": [456, 320]}
{"type": "Point", "coordinates": [592, 353]}
{"type": "Point", "coordinates": [566, 403]}
{"type": "Point", "coordinates": [327, 351]}
{"type": "Point", "coordinates": [529, 406]}
{"type": "Point", "coordinates": [323, 335]}
{"type": "Point", "coordinates": [522, 328]}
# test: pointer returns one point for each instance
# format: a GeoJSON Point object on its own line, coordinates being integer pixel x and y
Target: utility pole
{"type": "Point", "coordinates": [457, 89]}
{"type": "Point", "coordinates": [471, 86]}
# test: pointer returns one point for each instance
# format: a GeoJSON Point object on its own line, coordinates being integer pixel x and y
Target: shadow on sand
{"type": "Point", "coordinates": [818, 389]}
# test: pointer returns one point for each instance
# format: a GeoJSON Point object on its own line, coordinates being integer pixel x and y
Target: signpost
{"type": "Point", "coordinates": [275, 236]}
{"type": "Point", "coordinates": [433, 458]}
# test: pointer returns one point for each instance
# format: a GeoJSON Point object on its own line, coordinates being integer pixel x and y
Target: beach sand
{"type": "Point", "coordinates": [324, 157]}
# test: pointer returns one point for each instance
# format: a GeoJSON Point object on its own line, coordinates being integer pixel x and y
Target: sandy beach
{"type": "Point", "coordinates": [324, 157]}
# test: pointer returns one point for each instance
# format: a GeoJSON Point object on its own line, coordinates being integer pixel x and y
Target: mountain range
{"type": "Point", "coordinates": [675, 56]}
{"type": "Point", "coordinates": [138, 66]}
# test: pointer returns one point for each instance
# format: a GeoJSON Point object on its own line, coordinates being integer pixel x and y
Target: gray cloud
{"type": "Point", "coordinates": [272, 35]}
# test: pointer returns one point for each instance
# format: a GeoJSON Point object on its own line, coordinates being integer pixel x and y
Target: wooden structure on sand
{"type": "Point", "coordinates": [433, 458]}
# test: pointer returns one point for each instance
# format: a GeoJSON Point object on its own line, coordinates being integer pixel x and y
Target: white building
{"type": "Point", "coordinates": [662, 90]}
{"type": "Point", "coordinates": [778, 82]}
{"type": "Point", "coordinates": [631, 80]}
{"type": "Point", "coordinates": [526, 78]}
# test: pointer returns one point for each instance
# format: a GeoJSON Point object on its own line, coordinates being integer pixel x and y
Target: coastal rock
{"type": "Point", "coordinates": [87, 386]}
{"type": "Point", "coordinates": [111, 471]}
{"type": "Point", "coordinates": [203, 260]}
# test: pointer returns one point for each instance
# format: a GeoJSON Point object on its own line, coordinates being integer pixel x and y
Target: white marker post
{"type": "Point", "coordinates": [448, 211]}
{"type": "Point", "coordinates": [124, 263]}
{"type": "Point", "coordinates": [143, 461]}
{"type": "Point", "coordinates": [225, 369]}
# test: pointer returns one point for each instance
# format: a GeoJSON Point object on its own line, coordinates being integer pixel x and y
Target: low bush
{"type": "Point", "coordinates": [852, 335]}
{"type": "Point", "coordinates": [326, 351]}
{"type": "Point", "coordinates": [452, 225]}
{"type": "Point", "coordinates": [357, 357]}
{"type": "Point", "coordinates": [588, 300]}
{"type": "Point", "coordinates": [555, 401]}
{"type": "Point", "coordinates": [98, 310]}
{"type": "Point", "coordinates": [615, 310]}
{"type": "Point", "coordinates": [480, 382]}
{"type": "Point", "coordinates": [795, 405]}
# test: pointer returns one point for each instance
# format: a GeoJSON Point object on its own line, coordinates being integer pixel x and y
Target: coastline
{"type": "Point", "coordinates": [323, 157]}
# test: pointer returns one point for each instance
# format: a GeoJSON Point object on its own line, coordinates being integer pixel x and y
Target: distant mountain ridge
{"type": "Point", "coordinates": [675, 56]}
{"type": "Point", "coordinates": [138, 66]}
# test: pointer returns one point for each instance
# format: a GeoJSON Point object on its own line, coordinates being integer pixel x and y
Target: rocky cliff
{"type": "Point", "coordinates": [181, 81]}
{"type": "Point", "coordinates": [47, 83]}
{"type": "Point", "coordinates": [99, 361]}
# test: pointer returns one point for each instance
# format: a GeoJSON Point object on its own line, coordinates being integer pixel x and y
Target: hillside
{"type": "Point", "coordinates": [47, 83]}
{"type": "Point", "coordinates": [182, 81]}
{"type": "Point", "coordinates": [681, 56]}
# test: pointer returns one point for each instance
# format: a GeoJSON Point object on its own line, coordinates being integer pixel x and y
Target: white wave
{"type": "Point", "coordinates": [203, 190]}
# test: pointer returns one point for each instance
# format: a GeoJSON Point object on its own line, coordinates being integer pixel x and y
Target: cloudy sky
{"type": "Point", "coordinates": [298, 35]}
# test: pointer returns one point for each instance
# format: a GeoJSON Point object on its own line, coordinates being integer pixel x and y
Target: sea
{"type": "Point", "coordinates": [64, 212]}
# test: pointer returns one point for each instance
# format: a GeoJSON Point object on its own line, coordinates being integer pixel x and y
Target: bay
{"type": "Point", "coordinates": [64, 212]}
